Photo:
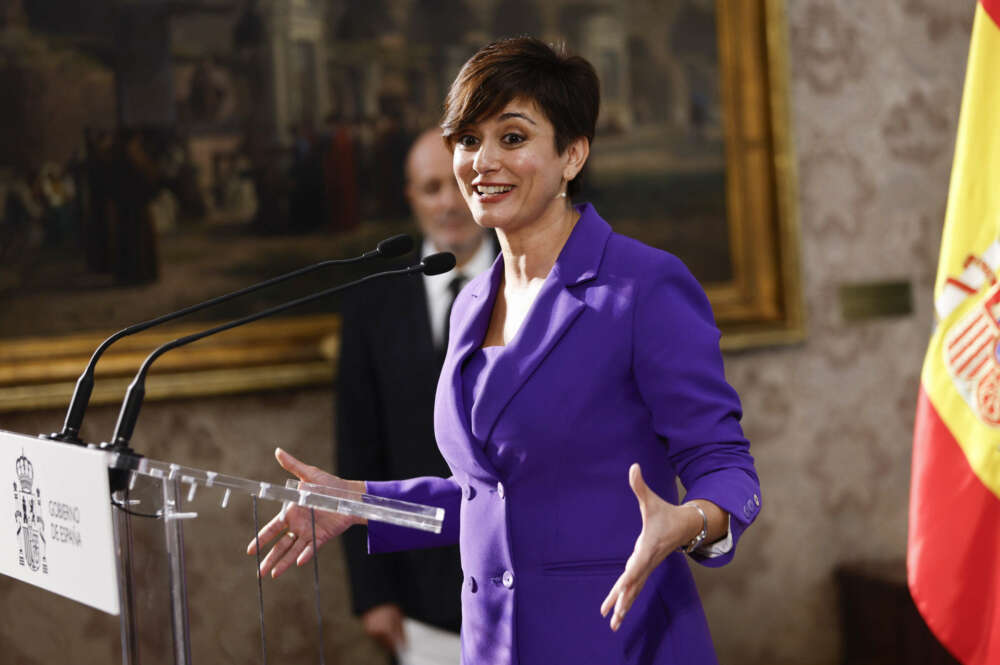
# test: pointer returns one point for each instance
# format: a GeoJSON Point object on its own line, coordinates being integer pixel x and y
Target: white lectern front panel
{"type": "Point", "coordinates": [55, 524]}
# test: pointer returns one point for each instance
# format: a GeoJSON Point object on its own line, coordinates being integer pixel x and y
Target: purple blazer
{"type": "Point", "coordinates": [617, 362]}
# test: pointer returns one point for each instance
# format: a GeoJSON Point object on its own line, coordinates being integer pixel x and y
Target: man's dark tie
{"type": "Point", "coordinates": [454, 286]}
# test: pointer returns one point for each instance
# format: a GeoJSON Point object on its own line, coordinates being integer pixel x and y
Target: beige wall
{"type": "Point", "coordinates": [875, 90]}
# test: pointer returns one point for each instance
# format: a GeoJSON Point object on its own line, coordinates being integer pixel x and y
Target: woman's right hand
{"type": "Point", "coordinates": [293, 527]}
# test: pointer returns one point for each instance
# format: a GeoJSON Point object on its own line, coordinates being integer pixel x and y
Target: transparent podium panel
{"type": "Point", "coordinates": [175, 495]}
{"type": "Point", "coordinates": [358, 504]}
{"type": "Point", "coordinates": [176, 547]}
{"type": "Point", "coordinates": [308, 495]}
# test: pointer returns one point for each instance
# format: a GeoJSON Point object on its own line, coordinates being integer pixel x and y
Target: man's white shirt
{"type": "Point", "coordinates": [436, 286]}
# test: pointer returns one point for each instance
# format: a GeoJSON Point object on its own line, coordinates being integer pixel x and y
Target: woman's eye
{"type": "Point", "coordinates": [467, 141]}
{"type": "Point", "coordinates": [512, 139]}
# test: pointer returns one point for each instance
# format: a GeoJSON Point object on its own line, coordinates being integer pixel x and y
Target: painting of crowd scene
{"type": "Point", "coordinates": [157, 154]}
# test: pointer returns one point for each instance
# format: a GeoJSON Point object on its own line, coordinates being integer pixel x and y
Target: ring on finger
{"type": "Point", "coordinates": [292, 535]}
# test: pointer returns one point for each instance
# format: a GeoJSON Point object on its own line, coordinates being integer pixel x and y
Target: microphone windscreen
{"type": "Point", "coordinates": [435, 264]}
{"type": "Point", "coordinates": [395, 246]}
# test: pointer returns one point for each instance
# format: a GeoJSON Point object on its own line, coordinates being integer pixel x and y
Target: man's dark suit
{"type": "Point", "coordinates": [385, 410]}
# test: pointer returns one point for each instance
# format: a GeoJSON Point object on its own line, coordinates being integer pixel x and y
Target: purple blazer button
{"type": "Point", "coordinates": [470, 492]}
{"type": "Point", "coordinates": [508, 579]}
{"type": "Point", "coordinates": [500, 490]}
{"type": "Point", "coordinates": [472, 584]}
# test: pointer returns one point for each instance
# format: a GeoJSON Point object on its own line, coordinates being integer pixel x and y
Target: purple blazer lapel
{"type": "Point", "coordinates": [554, 311]}
{"type": "Point", "coordinates": [468, 329]}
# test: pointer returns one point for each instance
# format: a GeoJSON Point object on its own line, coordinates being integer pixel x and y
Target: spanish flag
{"type": "Point", "coordinates": [953, 557]}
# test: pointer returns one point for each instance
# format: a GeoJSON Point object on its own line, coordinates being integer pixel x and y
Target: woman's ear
{"type": "Point", "coordinates": [577, 152]}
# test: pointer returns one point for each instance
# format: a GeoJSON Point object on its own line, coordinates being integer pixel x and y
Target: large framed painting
{"type": "Point", "coordinates": [284, 145]}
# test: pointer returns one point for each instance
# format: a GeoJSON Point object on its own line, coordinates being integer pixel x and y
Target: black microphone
{"type": "Point", "coordinates": [388, 249]}
{"type": "Point", "coordinates": [435, 264]}
{"type": "Point", "coordinates": [430, 265]}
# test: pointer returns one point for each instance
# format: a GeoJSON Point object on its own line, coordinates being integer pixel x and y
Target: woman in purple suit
{"type": "Point", "coordinates": [583, 377]}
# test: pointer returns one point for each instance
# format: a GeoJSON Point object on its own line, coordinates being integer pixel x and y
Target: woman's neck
{"type": "Point", "coordinates": [530, 252]}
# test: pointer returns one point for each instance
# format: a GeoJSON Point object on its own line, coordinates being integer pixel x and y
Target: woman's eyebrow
{"type": "Point", "coordinates": [512, 114]}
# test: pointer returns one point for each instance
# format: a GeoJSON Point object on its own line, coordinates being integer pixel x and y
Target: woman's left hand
{"type": "Point", "coordinates": [665, 527]}
{"type": "Point", "coordinates": [292, 528]}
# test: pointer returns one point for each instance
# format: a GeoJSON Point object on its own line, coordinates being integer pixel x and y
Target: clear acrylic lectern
{"type": "Point", "coordinates": [71, 541]}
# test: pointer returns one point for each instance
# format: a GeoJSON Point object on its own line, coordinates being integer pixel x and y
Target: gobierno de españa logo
{"type": "Point", "coordinates": [28, 516]}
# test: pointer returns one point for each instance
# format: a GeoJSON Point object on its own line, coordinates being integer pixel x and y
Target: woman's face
{"type": "Point", "coordinates": [508, 169]}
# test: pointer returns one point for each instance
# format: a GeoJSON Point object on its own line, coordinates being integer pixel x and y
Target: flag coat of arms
{"type": "Point", "coordinates": [953, 557]}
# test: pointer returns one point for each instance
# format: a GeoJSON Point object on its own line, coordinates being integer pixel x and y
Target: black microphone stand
{"type": "Point", "coordinates": [129, 414]}
{"type": "Point", "coordinates": [388, 248]}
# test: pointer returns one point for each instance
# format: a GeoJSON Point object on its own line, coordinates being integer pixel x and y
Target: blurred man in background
{"type": "Point", "coordinates": [393, 341]}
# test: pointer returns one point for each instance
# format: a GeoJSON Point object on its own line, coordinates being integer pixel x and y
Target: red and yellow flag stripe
{"type": "Point", "coordinates": [954, 540]}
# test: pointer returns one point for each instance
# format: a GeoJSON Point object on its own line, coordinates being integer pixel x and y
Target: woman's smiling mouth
{"type": "Point", "coordinates": [491, 190]}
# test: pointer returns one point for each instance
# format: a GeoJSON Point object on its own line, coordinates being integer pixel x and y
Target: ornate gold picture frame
{"type": "Point", "coordinates": [762, 304]}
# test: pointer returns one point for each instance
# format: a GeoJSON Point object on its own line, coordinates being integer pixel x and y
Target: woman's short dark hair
{"type": "Point", "coordinates": [565, 87]}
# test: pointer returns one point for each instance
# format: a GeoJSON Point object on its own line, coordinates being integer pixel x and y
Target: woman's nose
{"type": "Point", "coordinates": [485, 159]}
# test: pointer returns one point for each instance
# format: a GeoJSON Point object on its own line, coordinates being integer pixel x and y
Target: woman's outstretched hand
{"type": "Point", "coordinates": [293, 527]}
{"type": "Point", "coordinates": [665, 527]}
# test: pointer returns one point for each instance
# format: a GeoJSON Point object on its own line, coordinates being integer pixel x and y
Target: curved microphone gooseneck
{"type": "Point", "coordinates": [388, 248]}
{"type": "Point", "coordinates": [430, 265]}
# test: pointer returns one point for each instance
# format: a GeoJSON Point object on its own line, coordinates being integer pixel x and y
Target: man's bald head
{"type": "Point", "coordinates": [428, 146]}
{"type": "Point", "coordinates": [435, 199]}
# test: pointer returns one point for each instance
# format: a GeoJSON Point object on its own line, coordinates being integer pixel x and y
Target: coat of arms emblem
{"type": "Point", "coordinates": [28, 516]}
{"type": "Point", "coordinates": [972, 355]}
